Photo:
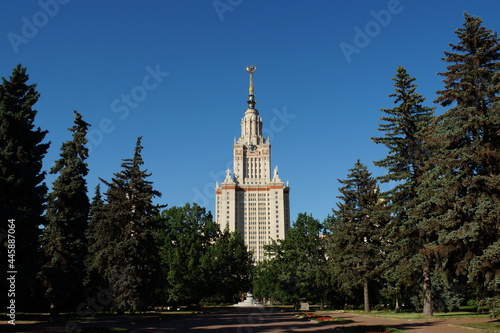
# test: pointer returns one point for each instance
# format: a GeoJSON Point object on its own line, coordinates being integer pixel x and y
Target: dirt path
{"type": "Point", "coordinates": [255, 320]}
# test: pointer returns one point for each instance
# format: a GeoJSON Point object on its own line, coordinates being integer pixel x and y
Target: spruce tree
{"type": "Point", "coordinates": [403, 129]}
{"type": "Point", "coordinates": [22, 190]}
{"type": "Point", "coordinates": [460, 193]}
{"type": "Point", "coordinates": [67, 213]}
{"type": "Point", "coordinates": [97, 240]}
{"type": "Point", "coordinates": [356, 239]}
{"type": "Point", "coordinates": [129, 263]}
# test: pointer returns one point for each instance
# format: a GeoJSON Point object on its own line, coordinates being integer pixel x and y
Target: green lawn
{"type": "Point", "coordinates": [489, 327]}
{"type": "Point", "coordinates": [418, 315]}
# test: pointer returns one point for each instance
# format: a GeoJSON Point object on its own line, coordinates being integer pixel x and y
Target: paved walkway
{"type": "Point", "coordinates": [260, 320]}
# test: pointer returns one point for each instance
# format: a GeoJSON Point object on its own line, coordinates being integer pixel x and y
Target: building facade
{"type": "Point", "coordinates": [249, 199]}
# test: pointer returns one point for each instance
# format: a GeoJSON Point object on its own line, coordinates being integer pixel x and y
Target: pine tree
{"type": "Point", "coordinates": [460, 193]}
{"type": "Point", "coordinates": [129, 262]}
{"type": "Point", "coordinates": [22, 190]}
{"type": "Point", "coordinates": [355, 246]}
{"type": "Point", "coordinates": [67, 213]}
{"type": "Point", "coordinates": [403, 135]}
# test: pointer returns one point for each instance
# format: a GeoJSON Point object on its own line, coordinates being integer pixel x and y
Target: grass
{"type": "Point", "coordinates": [463, 313]}
{"type": "Point", "coordinates": [489, 327]}
{"type": "Point", "coordinates": [418, 315]}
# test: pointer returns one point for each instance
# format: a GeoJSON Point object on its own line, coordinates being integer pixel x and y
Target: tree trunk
{"type": "Point", "coordinates": [427, 288]}
{"type": "Point", "coordinates": [366, 295]}
{"type": "Point", "coordinates": [54, 312]}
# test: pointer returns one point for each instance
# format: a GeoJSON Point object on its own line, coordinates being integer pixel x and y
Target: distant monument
{"type": "Point", "coordinates": [249, 301]}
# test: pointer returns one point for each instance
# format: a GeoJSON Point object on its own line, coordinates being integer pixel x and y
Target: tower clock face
{"type": "Point", "coordinates": [252, 148]}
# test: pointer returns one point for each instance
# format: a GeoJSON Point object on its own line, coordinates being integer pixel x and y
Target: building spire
{"type": "Point", "coordinates": [251, 102]}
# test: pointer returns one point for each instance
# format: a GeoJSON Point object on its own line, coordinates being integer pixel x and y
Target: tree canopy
{"type": "Point", "coordinates": [297, 264]}
{"type": "Point", "coordinates": [202, 264]}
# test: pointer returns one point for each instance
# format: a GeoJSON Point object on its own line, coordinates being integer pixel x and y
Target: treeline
{"type": "Point", "coordinates": [433, 240]}
{"type": "Point", "coordinates": [115, 252]}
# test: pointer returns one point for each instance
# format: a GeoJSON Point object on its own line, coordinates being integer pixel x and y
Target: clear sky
{"type": "Point", "coordinates": [174, 72]}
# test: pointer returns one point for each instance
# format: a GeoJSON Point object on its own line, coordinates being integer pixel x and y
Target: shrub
{"type": "Point", "coordinates": [472, 302]}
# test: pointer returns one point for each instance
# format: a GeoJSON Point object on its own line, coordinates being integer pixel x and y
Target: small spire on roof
{"type": "Point", "coordinates": [251, 102]}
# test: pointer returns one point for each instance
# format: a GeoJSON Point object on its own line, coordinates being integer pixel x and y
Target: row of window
{"type": "Point", "coordinates": [246, 233]}
{"type": "Point", "coordinates": [260, 223]}
{"type": "Point", "coordinates": [259, 238]}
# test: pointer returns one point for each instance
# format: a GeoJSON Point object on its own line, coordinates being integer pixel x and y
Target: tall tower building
{"type": "Point", "coordinates": [249, 199]}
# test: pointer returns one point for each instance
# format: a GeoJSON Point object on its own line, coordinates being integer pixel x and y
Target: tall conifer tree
{"type": "Point", "coordinates": [97, 240]}
{"type": "Point", "coordinates": [356, 235]}
{"type": "Point", "coordinates": [22, 190]}
{"type": "Point", "coordinates": [130, 261]}
{"type": "Point", "coordinates": [67, 213]}
{"type": "Point", "coordinates": [403, 129]}
{"type": "Point", "coordinates": [460, 193]}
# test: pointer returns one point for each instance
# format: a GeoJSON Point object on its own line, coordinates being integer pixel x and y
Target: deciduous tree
{"type": "Point", "coordinates": [187, 234]}
{"type": "Point", "coordinates": [228, 264]}
{"type": "Point", "coordinates": [296, 265]}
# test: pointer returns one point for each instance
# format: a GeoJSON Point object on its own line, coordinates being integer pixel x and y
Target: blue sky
{"type": "Point", "coordinates": [174, 72]}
